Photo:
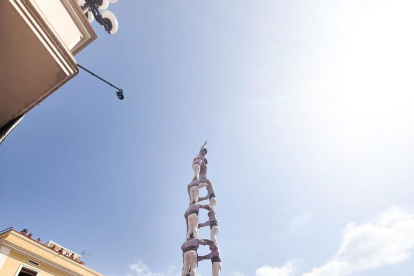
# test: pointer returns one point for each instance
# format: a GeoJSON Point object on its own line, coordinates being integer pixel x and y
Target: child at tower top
{"type": "Point", "coordinates": [198, 160]}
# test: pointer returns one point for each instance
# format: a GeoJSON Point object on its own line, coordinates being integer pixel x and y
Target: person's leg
{"type": "Point", "coordinates": [194, 191]}
{"type": "Point", "coordinates": [194, 224]}
{"type": "Point", "coordinates": [196, 169]}
{"type": "Point", "coordinates": [190, 225]}
{"type": "Point", "coordinates": [193, 263]}
{"type": "Point", "coordinates": [186, 264]}
{"type": "Point", "coordinates": [191, 196]}
{"type": "Point", "coordinates": [213, 202]}
{"type": "Point", "coordinates": [216, 268]}
{"type": "Point", "coordinates": [213, 234]}
{"type": "Point", "coordinates": [202, 185]}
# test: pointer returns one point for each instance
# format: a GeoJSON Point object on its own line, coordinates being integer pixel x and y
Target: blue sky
{"type": "Point", "coordinates": [307, 107]}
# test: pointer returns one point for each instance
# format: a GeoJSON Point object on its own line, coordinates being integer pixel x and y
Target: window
{"type": "Point", "coordinates": [27, 272]}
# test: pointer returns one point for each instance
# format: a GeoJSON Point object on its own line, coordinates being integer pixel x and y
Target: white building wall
{"type": "Point", "coordinates": [59, 18]}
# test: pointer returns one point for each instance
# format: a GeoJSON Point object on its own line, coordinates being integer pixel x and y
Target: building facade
{"type": "Point", "coordinates": [23, 256]}
{"type": "Point", "coordinates": [39, 41]}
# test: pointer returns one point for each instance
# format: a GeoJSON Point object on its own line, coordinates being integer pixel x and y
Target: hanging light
{"type": "Point", "coordinates": [107, 15]}
{"type": "Point", "coordinates": [89, 16]}
{"type": "Point", "coordinates": [107, 19]}
{"type": "Point", "coordinates": [104, 5]}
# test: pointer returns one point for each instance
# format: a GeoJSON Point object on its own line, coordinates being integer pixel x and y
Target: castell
{"type": "Point", "coordinates": [192, 241]}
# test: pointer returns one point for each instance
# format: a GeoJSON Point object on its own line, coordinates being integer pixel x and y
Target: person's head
{"type": "Point", "coordinates": [54, 246]}
{"type": "Point", "coordinates": [30, 235]}
{"type": "Point", "coordinates": [25, 231]}
{"type": "Point", "coordinates": [204, 151]}
{"type": "Point", "coordinates": [39, 239]}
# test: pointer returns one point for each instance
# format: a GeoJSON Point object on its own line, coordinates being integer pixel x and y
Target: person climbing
{"type": "Point", "coordinates": [194, 189]}
{"type": "Point", "coordinates": [214, 256]}
{"type": "Point", "coordinates": [198, 160]}
{"type": "Point", "coordinates": [212, 222]}
{"type": "Point", "coordinates": [203, 169]}
{"type": "Point", "coordinates": [210, 194]}
{"type": "Point", "coordinates": [191, 217]}
{"type": "Point", "coordinates": [189, 249]}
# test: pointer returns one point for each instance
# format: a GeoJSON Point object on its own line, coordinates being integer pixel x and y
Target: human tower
{"type": "Point", "coordinates": [192, 242]}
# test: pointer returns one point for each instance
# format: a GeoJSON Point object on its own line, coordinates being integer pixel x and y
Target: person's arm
{"type": "Point", "coordinates": [202, 147]}
{"type": "Point", "coordinates": [207, 223]}
{"type": "Point", "coordinates": [206, 242]}
{"type": "Point", "coordinates": [206, 207]}
{"type": "Point", "coordinates": [202, 241]}
{"type": "Point", "coordinates": [206, 257]}
{"type": "Point", "coordinates": [203, 198]}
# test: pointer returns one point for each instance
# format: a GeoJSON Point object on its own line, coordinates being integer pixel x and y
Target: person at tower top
{"type": "Point", "coordinates": [212, 222]}
{"type": "Point", "coordinates": [189, 249]}
{"type": "Point", "coordinates": [191, 217]}
{"type": "Point", "coordinates": [197, 161]}
{"type": "Point", "coordinates": [214, 256]}
{"type": "Point", "coordinates": [203, 169]}
{"type": "Point", "coordinates": [210, 194]}
{"type": "Point", "coordinates": [194, 189]}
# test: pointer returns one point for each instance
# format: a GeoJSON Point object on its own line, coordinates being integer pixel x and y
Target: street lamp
{"type": "Point", "coordinates": [107, 19]}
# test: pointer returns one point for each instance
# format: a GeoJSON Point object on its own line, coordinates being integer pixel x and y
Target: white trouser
{"type": "Point", "coordinates": [196, 169]}
{"type": "Point", "coordinates": [190, 263]}
{"type": "Point", "coordinates": [194, 191]}
{"type": "Point", "coordinates": [192, 226]}
{"type": "Point", "coordinates": [213, 234]}
{"type": "Point", "coordinates": [216, 268]}
{"type": "Point", "coordinates": [213, 202]}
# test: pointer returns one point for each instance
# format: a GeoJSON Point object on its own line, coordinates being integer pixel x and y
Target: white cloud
{"type": "Point", "coordinates": [237, 273]}
{"type": "Point", "coordinates": [266, 270]}
{"type": "Point", "coordinates": [141, 269]}
{"type": "Point", "coordinates": [171, 268]}
{"type": "Point", "coordinates": [387, 241]}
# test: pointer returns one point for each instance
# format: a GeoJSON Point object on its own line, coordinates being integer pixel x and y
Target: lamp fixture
{"type": "Point", "coordinates": [119, 93]}
{"type": "Point", "coordinates": [107, 19]}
